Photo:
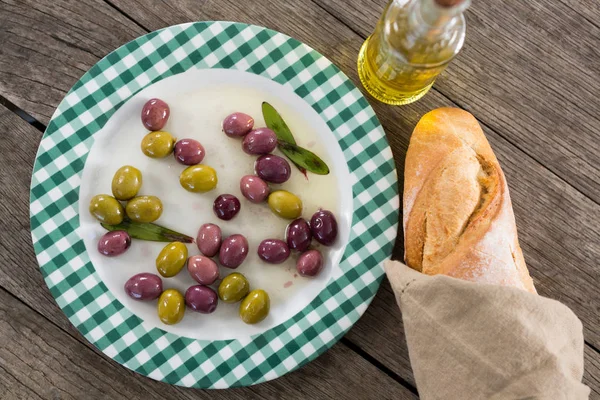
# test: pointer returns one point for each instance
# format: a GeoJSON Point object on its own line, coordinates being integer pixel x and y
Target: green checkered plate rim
{"type": "Point", "coordinates": [72, 278]}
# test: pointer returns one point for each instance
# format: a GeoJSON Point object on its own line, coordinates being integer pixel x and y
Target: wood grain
{"type": "Point", "coordinates": [48, 45]}
{"type": "Point", "coordinates": [527, 70]}
{"type": "Point", "coordinates": [38, 360]}
{"type": "Point", "coordinates": [20, 276]}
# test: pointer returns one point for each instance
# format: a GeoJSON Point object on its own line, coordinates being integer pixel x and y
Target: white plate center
{"type": "Point", "coordinates": [199, 100]}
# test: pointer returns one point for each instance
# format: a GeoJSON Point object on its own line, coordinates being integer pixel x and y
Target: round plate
{"type": "Point", "coordinates": [296, 76]}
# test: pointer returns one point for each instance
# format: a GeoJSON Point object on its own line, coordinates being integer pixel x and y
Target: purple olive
{"type": "Point", "coordinates": [237, 124]}
{"type": "Point", "coordinates": [272, 168]}
{"type": "Point", "coordinates": [324, 227]}
{"type": "Point", "coordinates": [298, 235]}
{"type": "Point", "coordinates": [254, 189]}
{"type": "Point", "coordinates": [155, 114]}
{"type": "Point", "coordinates": [273, 251]}
{"type": "Point", "coordinates": [233, 252]}
{"type": "Point", "coordinates": [201, 299]}
{"type": "Point", "coordinates": [114, 243]}
{"type": "Point", "coordinates": [209, 239]}
{"type": "Point", "coordinates": [144, 286]}
{"type": "Point", "coordinates": [226, 206]}
{"type": "Point", "coordinates": [310, 263]}
{"type": "Point", "coordinates": [188, 152]}
{"type": "Point", "coordinates": [260, 141]}
{"type": "Point", "coordinates": [203, 270]}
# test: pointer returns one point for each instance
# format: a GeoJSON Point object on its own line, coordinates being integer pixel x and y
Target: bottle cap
{"type": "Point", "coordinates": [448, 3]}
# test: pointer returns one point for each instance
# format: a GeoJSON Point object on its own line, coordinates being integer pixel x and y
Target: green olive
{"type": "Point", "coordinates": [158, 144]}
{"type": "Point", "coordinates": [144, 209]}
{"type": "Point", "coordinates": [106, 209]}
{"type": "Point", "coordinates": [171, 306]}
{"type": "Point", "coordinates": [285, 204]}
{"type": "Point", "coordinates": [171, 259]}
{"type": "Point", "coordinates": [198, 178]}
{"type": "Point", "coordinates": [126, 183]}
{"type": "Point", "coordinates": [255, 307]}
{"type": "Point", "coordinates": [233, 288]}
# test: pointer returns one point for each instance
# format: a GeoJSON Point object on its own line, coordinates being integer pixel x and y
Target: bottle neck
{"type": "Point", "coordinates": [436, 15]}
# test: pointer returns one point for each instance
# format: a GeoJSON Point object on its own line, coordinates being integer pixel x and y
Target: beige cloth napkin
{"type": "Point", "coordinates": [477, 341]}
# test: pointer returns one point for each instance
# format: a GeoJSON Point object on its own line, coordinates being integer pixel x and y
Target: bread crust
{"type": "Point", "coordinates": [458, 218]}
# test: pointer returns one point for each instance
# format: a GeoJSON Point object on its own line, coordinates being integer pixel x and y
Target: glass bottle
{"type": "Point", "coordinates": [412, 44]}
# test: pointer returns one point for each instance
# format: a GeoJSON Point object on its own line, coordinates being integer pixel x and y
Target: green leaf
{"type": "Point", "coordinates": [151, 232]}
{"type": "Point", "coordinates": [304, 158]}
{"type": "Point", "coordinates": [276, 123]}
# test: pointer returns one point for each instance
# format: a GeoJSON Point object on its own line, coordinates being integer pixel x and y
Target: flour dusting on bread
{"type": "Point", "coordinates": [458, 218]}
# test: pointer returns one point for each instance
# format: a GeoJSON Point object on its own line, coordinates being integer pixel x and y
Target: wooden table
{"type": "Point", "coordinates": [529, 72]}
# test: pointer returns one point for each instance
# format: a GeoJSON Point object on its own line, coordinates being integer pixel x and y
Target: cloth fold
{"type": "Point", "coordinates": [477, 341]}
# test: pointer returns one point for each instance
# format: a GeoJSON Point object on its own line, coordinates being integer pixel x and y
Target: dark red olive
{"type": "Point", "coordinates": [310, 263]}
{"type": "Point", "coordinates": [298, 234]}
{"type": "Point", "coordinates": [201, 299]}
{"type": "Point", "coordinates": [155, 114]}
{"type": "Point", "coordinates": [233, 251]}
{"type": "Point", "coordinates": [324, 227]}
{"type": "Point", "coordinates": [226, 206]}
{"type": "Point", "coordinates": [273, 251]}
{"type": "Point", "coordinates": [272, 168]}
{"type": "Point", "coordinates": [188, 152]}
{"type": "Point", "coordinates": [260, 141]}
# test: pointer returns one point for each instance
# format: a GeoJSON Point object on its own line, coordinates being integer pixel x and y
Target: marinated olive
{"type": "Point", "coordinates": [201, 299]}
{"type": "Point", "coordinates": [324, 227]}
{"type": "Point", "coordinates": [260, 141]}
{"type": "Point", "coordinates": [309, 263]}
{"type": "Point", "coordinates": [298, 234]}
{"type": "Point", "coordinates": [254, 189]}
{"type": "Point", "coordinates": [233, 288]}
{"type": "Point", "coordinates": [155, 114]}
{"type": "Point", "coordinates": [158, 144]}
{"type": "Point", "coordinates": [171, 306]}
{"type": "Point", "coordinates": [144, 209]}
{"type": "Point", "coordinates": [226, 206]}
{"type": "Point", "coordinates": [209, 239]}
{"type": "Point", "coordinates": [233, 251]}
{"type": "Point", "coordinates": [114, 243]}
{"type": "Point", "coordinates": [285, 204]}
{"type": "Point", "coordinates": [171, 259]}
{"type": "Point", "coordinates": [237, 124]}
{"type": "Point", "coordinates": [273, 251]}
{"type": "Point", "coordinates": [144, 286]}
{"type": "Point", "coordinates": [126, 183]}
{"type": "Point", "coordinates": [272, 168]}
{"type": "Point", "coordinates": [189, 152]}
{"type": "Point", "coordinates": [106, 209]}
{"type": "Point", "coordinates": [203, 270]}
{"type": "Point", "coordinates": [255, 307]}
{"type": "Point", "coordinates": [198, 178]}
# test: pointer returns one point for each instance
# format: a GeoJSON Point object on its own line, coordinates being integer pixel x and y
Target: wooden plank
{"type": "Point", "coordinates": [43, 39]}
{"type": "Point", "coordinates": [527, 71]}
{"type": "Point", "coordinates": [591, 375]}
{"type": "Point", "coordinates": [20, 276]}
{"type": "Point", "coordinates": [39, 360]}
{"type": "Point", "coordinates": [324, 33]}
{"type": "Point", "coordinates": [589, 9]}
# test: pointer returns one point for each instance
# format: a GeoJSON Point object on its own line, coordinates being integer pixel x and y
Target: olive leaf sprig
{"type": "Point", "coordinates": [147, 231]}
{"type": "Point", "coordinates": [304, 159]}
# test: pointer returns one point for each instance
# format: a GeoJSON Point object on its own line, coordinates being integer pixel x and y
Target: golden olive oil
{"type": "Point", "coordinates": [412, 44]}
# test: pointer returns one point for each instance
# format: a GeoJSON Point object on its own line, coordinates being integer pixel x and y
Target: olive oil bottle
{"type": "Point", "coordinates": [412, 44]}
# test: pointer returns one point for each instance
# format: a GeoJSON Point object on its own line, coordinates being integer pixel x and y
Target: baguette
{"type": "Point", "coordinates": [458, 218]}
